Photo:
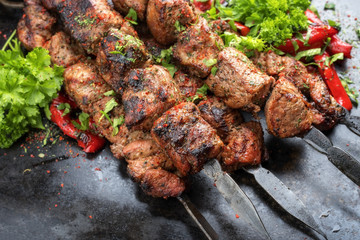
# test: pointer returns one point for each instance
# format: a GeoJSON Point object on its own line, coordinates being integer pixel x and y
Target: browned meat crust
{"type": "Point", "coordinates": [245, 146]}
{"type": "Point", "coordinates": [187, 84]}
{"type": "Point", "coordinates": [196, 46]}
{"type": "Point", "coordinates": [219, 116]}
{"type": "Point", "coordinates": [118, 53]}
{"type": "Point", "coordinates": [163, 16]}
{"type": "Point", "coordinates": [35, 26]}
{"type": "Point", "coordinates": [238, 82]}
{"type": "Point", "coordinates": [148, 93]}
{"type": "Point", "coordinates": [62, 51]}
{"type": "Point", "coordinates": [123, 6]}
{"type": "Point", "coordinates": [187, 138]}
{"type": "Point", "coordinates": [287, 112]}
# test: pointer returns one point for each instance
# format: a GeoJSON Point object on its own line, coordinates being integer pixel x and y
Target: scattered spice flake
{"type": "Point", "coordinates": [62, 185]}
{"type": "Point", "coordinates": [237, 216]}
{"type": "Point", "coordinates": [56, 205]}
{"type": "Point", "coordinates": [48, 171]}
{"type": "Point", "coordinates": [347, 144]}
{"type": "Point", "coordinates": [27, 170]}
{"type": "Point", "coordinates": [90, 217]}
{"type": "Point", "coordinates": [32, 155]}
{"type": "Point", "coordinates": [97, 169]}
{"type": "Point", "coordinates": [65, 172]}
{"type": "Point", "coordinates": [41, 155]}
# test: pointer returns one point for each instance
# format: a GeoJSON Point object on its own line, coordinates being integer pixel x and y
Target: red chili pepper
{"type": "Point", "coordinates": [333, 82]}
{"type": "Point", "coordinates": [244, 30]}
{"type": "Point", "coordinates": [86, 140]}
{"type": "Point", "coordinates": [318, 36]}
{"type": "Point", "coordinates": [339, 46]}
{"type": "Point", "coordinates": [203, 6]}
{"type": "Point", "coordinates": [336, 44]}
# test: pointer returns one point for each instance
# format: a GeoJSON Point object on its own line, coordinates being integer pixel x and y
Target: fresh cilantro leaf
{"type": "Point", "coordinates": [118, 122]}
{"type": "Point", "coordinates": [131, 16]}
{"type": "Point", "coordinates": [170, 67]}
{"type": "Point", "coordinates": [334, 24]}
{"type": "Point", "coordinates": [358, 32]}
{"type": "Point", "coordinates": [330, 60]}
{"type": "Point", "coordinates": [352, 92]}
{"type": "Point", "coordinates": [210, 62]}
{"type": "Point", "coordinates": [329, 6]}
{"type": "Point", "coordinates": [108, 107]}
{"type": "Point", "coordinates": [109, 93]}
{"type": "Point", "coordinates": [200, 94]}
{"type": "Point", "coordinates": [64, 106]}
{"type": "Point", "coordinates": [214, 70]}
{"type": "Point", "coordinates": [84, 122]}
{"type": "Point", "coordinates": [178, 26]}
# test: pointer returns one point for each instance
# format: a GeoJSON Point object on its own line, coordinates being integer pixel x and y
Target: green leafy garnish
{"type": "Point", "coordinates": [329, 6]}
{"type": "Point", "coordinates": [334, 24]}
{"type": "Point", "coordinates": [108, 107]}
{"type": "Point", "coordinates": [214, 70]}
{"type": "Point", "coordinates": [27, 85]}
{"type": "Point", "coordinates": [210, 62]}
{"type": "Point", "coordinates": [352, 92]}
{"type": "Point", "coordinates": [84, 122]}
{"type": "Point", "coordinates": [308, 53]}
{"type": "Point", "coordinates": [200, 94]}
{"type": "Point", "coordinates": [179, 27]}
{"type": "Point", "coordinates": [131, 17]}
{"type": "Point", "coordinates": [246, 44]}
{"type": "Point", "coordinates": [273, 21]}
{"type": "Point", "coordinates": [109, 93]}
{"type": "Point", "coordinates": [64, 106]}
{"type": "Point", "coordinates": [118, 122]}
{"type": "Point", "coordinates": [358, 32]}
{"type": "Point", "coordinates": [165, 59]}
{"type": "Point", "coordinates": [330, 60]}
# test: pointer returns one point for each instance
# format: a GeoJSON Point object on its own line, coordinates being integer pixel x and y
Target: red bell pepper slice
{"type": "Point", "coordinates": [88, 141]}
{"type": "Point", "coordinates": [318, 36]}
{"type": "Point", "coordinates": [244, 30]}
{"type": "Point", "coordinates": [333, 82]}
{"type": "Point", "coordinates": [336, 44]}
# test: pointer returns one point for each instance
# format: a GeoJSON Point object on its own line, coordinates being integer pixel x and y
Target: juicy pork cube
{"type": "Point", "coordinates": [287, 112]}
{"type": "Point", "coordinates": [197, 48]}
{"type": "Point", "coordinates": [238, 82]}
{"type": "Point", "coordinates": [167, 18]}
{"type": "Point", "coordinates": [148, 93]}
{"type": "Point", "coordinates": [119, 52]}
{"type": "Point", "coordinates": [187, 138]}
{"type": "Point", "coordinates": [123, 6]}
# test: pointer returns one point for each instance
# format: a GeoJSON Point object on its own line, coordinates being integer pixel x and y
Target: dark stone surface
{"type": "Point", "coordinates": [50, 192]}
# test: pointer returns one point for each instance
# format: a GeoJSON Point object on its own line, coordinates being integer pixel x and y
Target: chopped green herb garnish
{"type": "Point", "coordinates": [200, 94]}
{"type": "Point", "coordinates": [84, 122]}
{"type": "Point", "coordinates": [334, 24]}
{"type": "Point", "coordinates": [179, 27]}
{"type": "Point", "coordinates": [118, 122]}
{"type": "Point", "coordinates": [64, 106]}
{"type": "Point", "coordinates": [108, 107]}
{"type": "Point", "coordinates": [329, 6]}
{"type": "Point", "coordinates": [131, 17]}
{"type": "Point", "coordinates": [214, 70]}
{"type": "Point", "coordinates": [330, 60]}
{"type": "Point", "coordinates": [352, 92]}
{"type": "Point", "coordinates": [210, 62]}
{"type": "Point", "coordinates": [308, 53]}
{"type": "Point", "coordinates": [109, 93]}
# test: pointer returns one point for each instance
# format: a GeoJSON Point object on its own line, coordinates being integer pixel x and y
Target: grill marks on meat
{"type": "Point", "coordinates": [197, 45]}
{"type": "Point", "coordinates": [86, 21]}
{"type": "Point", "coordinates": [238, 82]}
{"type": "Point", "coordinates": [311, 85]}
{"type": "Point", "coordinates": [35, 26]}
{"type": "Point", "coordinates": [219, 116]}
{"type": "Point", "coordinates": [187, 138]}
{"type": "Point", "coordinates": [123, 6]}
{"type": "Point", "coordinates": [163, 15]}
{"type": "Point", "coordinates": [62, 51]}
{"type": "Point", "coordinates": [187, 84]}
{"type": "Point", "coordinates": [245, 146]}
{"type": "Point", "coordinates": [119, 52]}
{"type": "Point", "coordinates": [287, 112]}
{"type": "Point", "coordinates": [149, 92]}
{"type": "Point", "coordinates": [146, 160]}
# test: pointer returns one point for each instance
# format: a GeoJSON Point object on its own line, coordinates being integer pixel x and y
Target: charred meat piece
{"type": "Point", "coordinates": [118, 53]}
{"type": "Point", "coordinates": [220, 26]}
{"type": "Point", "coordinates": [86, 21]}
{"type": "Point", "coordinates": [187, 84]}
{"type": "Point", "coordinates": [149, 92]}
{"type": "Point", "coordinates": [187, 138]}
{"type": "Point", "coordinates": [123, 6]}
{"type": "Point", "coordinates": [238, 82]}
{"type": "Point", "coordinates": [244, 146]}
{"type": "Point", "coordinates": [161, 183]}
{"type": "Point", "coordinates": [310, 84]}
{"type": "Point", "coordinates": [219, 116]}
{"type": "Point", "coordinates": [140, 149]}
{"type": "Point", "coordinates": [287, 112]}
{"type": "Point", "coordinates": [62, 51]}
{"type": "Point", "coordinates": [167, 18]}
{"type": "Point", "coordinates": [197, 47]}
{"type": "Point", "coordinates": [35, 26]}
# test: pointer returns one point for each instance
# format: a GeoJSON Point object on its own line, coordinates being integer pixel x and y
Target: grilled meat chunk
{"type": "Point", "coordinates": [86, 21]}
{"type": "Point", "coordinates": [310, 84]}
{"type": "Point", "coordinates": [238, 82]}
{"type": "Point", "coordinates": [161, 183]}
{"type": "Point", "coordinates": [287, 112]}
{"type": "Point", "coordinates": [62, 51]}
{"type": "Point", "coordinates": [123, 6]}
{"type": "Point", "coordinates": [166, 18]}
{"type": "Point", "coordinates": [244, 146]}
{"type": "Point", "coordinates": [149, 92]}
{"type": "Point", "coordinates": [35, 26]}
{"type": "Point", "coordinates": [187, 84]}
{"type": "Point", "coordinates": [196, 47]}
{"type": "Point", "coordinates": [140, 149]}
{"type": "Point", "coordinates": [118, 53]}
{"type": "Point", "coordinates": [187, 138]}
{"type": "Point", "coordinates": [219, 116]}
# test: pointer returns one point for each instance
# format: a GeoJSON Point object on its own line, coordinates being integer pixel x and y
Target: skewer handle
{"type": "Point", "coordinates": [200, 220]}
